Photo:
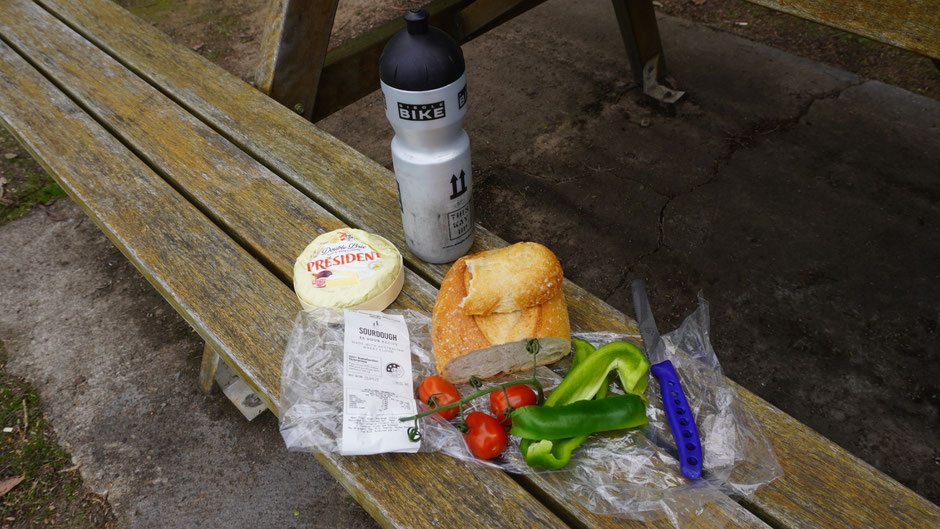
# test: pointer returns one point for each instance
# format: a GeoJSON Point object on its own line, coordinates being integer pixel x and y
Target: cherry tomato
{"type": "Point", "coordinates": [519, 396]}
{"type": "Point", "coordinates": [486, 438]}
{"type": "Point", "coordinates": [444, 393]}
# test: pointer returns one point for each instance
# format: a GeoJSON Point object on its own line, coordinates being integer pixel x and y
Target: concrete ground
{"type": "Point", "coordinates": [802, 201]}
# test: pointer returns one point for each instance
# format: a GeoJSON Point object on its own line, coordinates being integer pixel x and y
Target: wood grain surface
{"type": "Point", "coordinates": [853, 493]}
{"type": "Point", "coordinates": [908, 24]}
{"type": "Point", "coordinates": [240, 308]}
{"type": "Point", "coordinates": [250, 202]}
{"type": "Point", "coordinates": [187, 258]}
{"type": "Point", "coordinates": [361, 193]}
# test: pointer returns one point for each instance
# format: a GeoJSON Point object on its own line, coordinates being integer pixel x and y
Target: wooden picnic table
{"type": "Point", "coordinates": [211, 189]}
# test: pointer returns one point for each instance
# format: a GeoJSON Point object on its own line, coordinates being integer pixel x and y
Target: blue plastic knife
{"type": "Point", "coordinates": [678, 411]}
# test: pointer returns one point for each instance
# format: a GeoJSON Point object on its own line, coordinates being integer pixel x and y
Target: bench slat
{"type": "Point", "coordinates": [205, 167]}
{"type": "Point", "coordinates": [174, 249]}
{"type": "Point", "coordinates": [194, 265]}
{"type": "Point", "coordinates": [278, 138]}
{"type": "Point", "coordinates": [867, 497]}
{"type": "Point", "coordinates": [910, 24]}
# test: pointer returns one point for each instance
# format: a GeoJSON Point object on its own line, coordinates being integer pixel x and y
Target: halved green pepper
{"type": "Point", "coordinates": [580, 418]}
{"type": "Point", "coordinates": [556, 454]}
{"type": "Point", "coordinates": [583, 383]}
{"type": "Point", "coordinates": [586, 377]}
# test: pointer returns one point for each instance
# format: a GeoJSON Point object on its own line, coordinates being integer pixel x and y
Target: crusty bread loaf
{"type": "Point", "coordinates": [468, 345]}
{"type": "Point", "coordinates": [510, 279]}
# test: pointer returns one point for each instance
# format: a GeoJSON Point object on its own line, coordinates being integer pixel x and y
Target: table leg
{"type": "Point", "coordinates": [210, 362]}
{"type": "Point", "coordinates": [640, 34]}
{"type": "Point", "coordinates": [232, 385]}
{"type": "Point", "coordinates": [293, 49]}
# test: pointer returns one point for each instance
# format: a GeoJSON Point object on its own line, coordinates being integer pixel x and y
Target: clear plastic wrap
{"type": "Point", "coordinates": [632, 474]}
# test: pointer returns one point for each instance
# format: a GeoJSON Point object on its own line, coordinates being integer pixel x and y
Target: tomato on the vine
{"type": "Point", "coordinates": [443, 393]}
{"type": "Point", "coordinates": [485, 437]}
{"type": "Point", "coordinates": [519, 396]}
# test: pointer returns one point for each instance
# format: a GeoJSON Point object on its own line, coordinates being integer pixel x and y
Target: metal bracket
{"type": "Point", "coordinates": [651, 86]}
{"type": "Point", "coordinates": [238, 392]}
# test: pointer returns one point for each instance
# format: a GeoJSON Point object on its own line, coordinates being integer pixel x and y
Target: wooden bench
{"type": "Point", "coordinates": [296, 69]}
{"type": "Point", "coordinates": [211, 189]}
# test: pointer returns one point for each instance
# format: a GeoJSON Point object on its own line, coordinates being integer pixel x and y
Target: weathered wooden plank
{"type": "Point", "coordinates": [482, 16]}
{"type": "Point", "coordinates": [910, 24]}
{"type": "Point", "coordinates": [230, 298]}
{"type": "Point", "coordinates": [293, 48]}
{"type": "Point", "coordinates": [866, 497]}
{"type": "Point", "coordinates": [190, 261]}
{"type": "Point", "coordinates": [207, 368]}
{"type": "Point", "coordinates": [357, 189]}
{"type": "Point", "coordinates": [264, 213]}
{"type": "Point", "coordinates": [238, 113]}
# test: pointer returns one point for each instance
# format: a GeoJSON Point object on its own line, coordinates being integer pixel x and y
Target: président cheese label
{"type": "Point", "coordinates": [348, 268]}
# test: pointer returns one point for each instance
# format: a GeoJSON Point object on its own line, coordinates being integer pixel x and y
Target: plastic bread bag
{"type": "Point", "coordinates": [312, 389]}
{"type": "Point", "coordinates": [631, 473]}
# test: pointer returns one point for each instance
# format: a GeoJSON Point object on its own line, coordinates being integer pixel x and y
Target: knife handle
{"type": "Point", "coordinates": [681, 422]}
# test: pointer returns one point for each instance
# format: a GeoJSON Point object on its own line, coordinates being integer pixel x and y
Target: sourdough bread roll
{"type": "Point", "coordinates": [467, 345]}
{"type": "Point", "coordinates": [510, 279]}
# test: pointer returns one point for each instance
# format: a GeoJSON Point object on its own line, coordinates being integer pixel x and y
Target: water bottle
{"type": "Point", "coordinates": [424, 85]}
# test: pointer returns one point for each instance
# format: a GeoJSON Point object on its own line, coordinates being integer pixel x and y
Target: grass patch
{"type": "Point", "coordinates": [152, 10]}
{"type": "Point", "coordinates": [24, 183]}
{"type": "Point", "coordinates": [26, 193]}
{"type": "Point", "coordinates": [224, 24]}
{"type": "Point", "coordinates": [228, 24]}
{"type": "Point", "coordinates": [51, 491]}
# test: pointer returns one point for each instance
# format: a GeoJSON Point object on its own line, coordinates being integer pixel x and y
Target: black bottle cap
{"type": "Point", "coordinates": [421, 57]}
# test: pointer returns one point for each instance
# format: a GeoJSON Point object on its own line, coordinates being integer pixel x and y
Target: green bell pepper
{"type": "Point", "coordinates": [556, 454]}
{"type": "Point", "coordinates": [631, 367]}
{"type": "Point", "coordinates": [580, 418]}
{"type": "Point", "coordinates": [585, 378]}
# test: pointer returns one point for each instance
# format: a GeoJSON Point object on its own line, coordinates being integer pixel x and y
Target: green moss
{"type": "Point", "coordinates": [28, 450]}
{"type": "Point", "coordinates": [151, 10]}
{"type": "Point", "coordinates": [45, 193]}
{"type": "Point", "coordinates": [31, 451]}
{"type": "Point", "coordinates": [34, 189]}
{"type": "Point", "coordinates": [227, 24]}
{"type": "Point", "coordinates": [857, 39]}
{"type": "Point", "coordinates": [223, 24]}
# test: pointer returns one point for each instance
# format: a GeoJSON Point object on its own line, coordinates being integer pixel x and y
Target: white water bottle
{"type": "Point", "coordinates": [425, 89]}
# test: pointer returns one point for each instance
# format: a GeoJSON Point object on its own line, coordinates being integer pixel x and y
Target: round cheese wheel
{"type": "Point", "coordinates": [348, 269]}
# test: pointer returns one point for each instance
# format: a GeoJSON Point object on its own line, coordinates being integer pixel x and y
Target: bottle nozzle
{"type": "Point", "coordinates": [417, 21]}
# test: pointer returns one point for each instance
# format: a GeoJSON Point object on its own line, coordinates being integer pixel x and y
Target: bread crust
{"type": "Point", "coordinates": [455, 334]}
{"type": "Point", "coordinates": [452, 332]}
{"type": "Point", "coordinates": [510, 279]}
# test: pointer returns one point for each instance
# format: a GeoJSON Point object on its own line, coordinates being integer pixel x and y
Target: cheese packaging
{"type": "Point", "coordinates": [348, 269]}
